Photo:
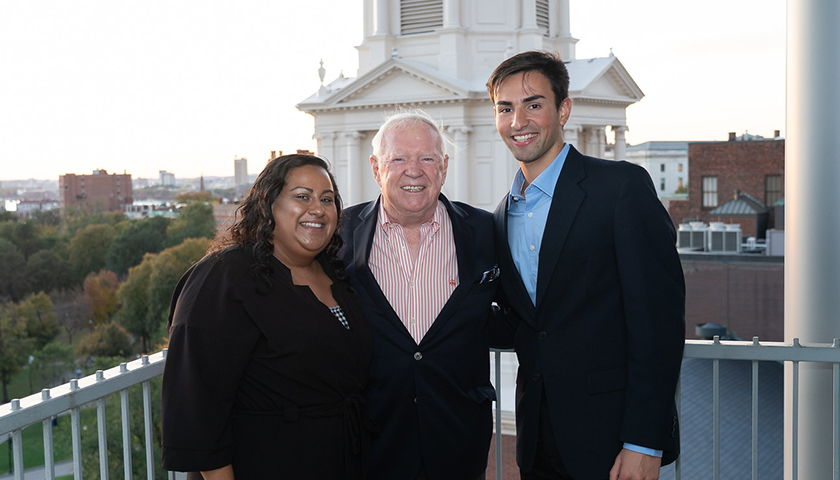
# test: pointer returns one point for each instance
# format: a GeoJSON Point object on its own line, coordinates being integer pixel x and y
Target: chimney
{"type": "Point", "coordinates": [731, 136]}
{"type": "Point", "coordinates": [273, 156]}
{"type": "Point", "coordinates": [776, 133]}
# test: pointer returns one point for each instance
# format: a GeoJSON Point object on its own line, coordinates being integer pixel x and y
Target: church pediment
{"type": "Point", "coordinates": [394, 82]}
{"type": "Point", "coordinates": [602, 79]}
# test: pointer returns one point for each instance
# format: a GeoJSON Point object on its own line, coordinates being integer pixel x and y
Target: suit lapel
{"type": "Point", "coordinates": [362, 244]}
{"type": "Point", "coordinates": [509, 273]}
{"type": "Point", "coordinates": [464, 236]}
{"type": "Point", "coordinates": [567, 199]}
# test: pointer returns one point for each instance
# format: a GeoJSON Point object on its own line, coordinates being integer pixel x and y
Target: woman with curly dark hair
{"type": "Point", "coordinates": [268, 348]}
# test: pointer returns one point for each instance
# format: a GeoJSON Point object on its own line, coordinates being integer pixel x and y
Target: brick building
{"type": "Point", "coordinates": [722, 170]}
{"type": "Point", "coordinates": [96, 191]}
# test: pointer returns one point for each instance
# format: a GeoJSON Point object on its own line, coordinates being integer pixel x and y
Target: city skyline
{"type": "Point", "coordinates": [188, 87]}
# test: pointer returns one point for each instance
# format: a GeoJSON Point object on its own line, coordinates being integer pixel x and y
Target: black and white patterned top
{"type": "Point", "coordinates": [339, 314]}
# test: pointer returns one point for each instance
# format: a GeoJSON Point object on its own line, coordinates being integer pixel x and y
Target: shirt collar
{"type": "Point", "coordinates": [545, 181]}
{"type": "Point", "coordinates": [386, 224]}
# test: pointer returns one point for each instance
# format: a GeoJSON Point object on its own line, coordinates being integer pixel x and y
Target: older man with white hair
{"type": "Point", "coordinates": [424, 269]}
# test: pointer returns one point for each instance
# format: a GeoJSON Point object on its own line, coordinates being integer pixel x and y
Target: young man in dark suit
{"type": "Point", "coordinates": [599, 288]}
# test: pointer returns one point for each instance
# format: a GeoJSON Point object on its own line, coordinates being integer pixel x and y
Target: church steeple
{"type": "Point", "coordinates": [201, 184]}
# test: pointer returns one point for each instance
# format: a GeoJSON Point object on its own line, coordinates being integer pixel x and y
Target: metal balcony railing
{"type": "Point", "coordinates": [92, 391]}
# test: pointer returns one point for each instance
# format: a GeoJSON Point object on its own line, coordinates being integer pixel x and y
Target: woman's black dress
{"type": "Point", "coordinates": [272, 383]}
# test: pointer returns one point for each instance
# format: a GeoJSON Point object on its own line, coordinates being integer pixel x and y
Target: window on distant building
{"type": "Point", "coordinates": [662, 184]}
{"type": "Point", "coordinates": [772, 189]}
{"type": "Point", "coordinates": [679, 167]}
{"type": "Point", "coordinates": [420, 16]}
{"type": "Point", "coordinates": [661, 167]}
{"type": "Point", "coordinates": [710, 194]}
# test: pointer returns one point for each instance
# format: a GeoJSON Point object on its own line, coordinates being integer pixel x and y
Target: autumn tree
{"type": "Point", "coordinates": [73, 313]}
{"type": "Point", "coordinates": [36, 316]}
{"type": "Point", "coordinates": [101, 294]}
{"type": "Point", "coordinates": [141, 237]}
{"type": "Point", "coordinates": [89, 247]}
{"type": "Point", "coordinates": [107, 339]}
{"type": "Point", "coordinates": [192, 197]}
{"type": "Point", "coordinates": [196, 220]}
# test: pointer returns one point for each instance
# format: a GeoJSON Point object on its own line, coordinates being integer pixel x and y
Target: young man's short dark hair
{"type": "Point", "coordinates": [547, 63]}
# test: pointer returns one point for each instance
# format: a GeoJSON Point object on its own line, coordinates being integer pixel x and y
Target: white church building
{"type": "Point", "coordinates": [437, 55]}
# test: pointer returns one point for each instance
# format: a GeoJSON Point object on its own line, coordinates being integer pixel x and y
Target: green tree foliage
{"type": "Point", "coordinates": [78, 218]}
{"type": "Point", "coordinates": [89, 247]}
{"type": "Point", "coordinates": [48, 271]}
{"type": "Point", "coordinates": [47, 218]}
{"type": "Point", "coordinates": [107, 339]}
{"type": "Point", "coordinates": [15, 346]}
{"type": "Point", "coordinates": [146, 293]}
{"type": "Point", "coordinates": [7, 216]}
{"type": "Point", "coordinates": [13, 281]}
{"type": "Point", "coordinates": [192, 197]}
{"type": "Point", "coordinates": [139, 238]}
{"type": "Point", "coordinates": [52, 364]}
{"type": "Point", "coordinates": [101, 294]}
{"type": "Point", "coordinates": [27, 237]}
{"type": "Point", "coordinates": [35, 314]}
{"type": "Point", "coordinates": [195, 221]}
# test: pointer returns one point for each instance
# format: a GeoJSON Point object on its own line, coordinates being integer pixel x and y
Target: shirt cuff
{"type": "Point", "coordinates": [643, 450]}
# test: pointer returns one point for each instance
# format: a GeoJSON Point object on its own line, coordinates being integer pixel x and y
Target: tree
{"type": "Point", "coordinates": [168, 268]}
{"type": "Point", "coordinates": [107, 339]}
{"type": "Point", "coordinates": [134, 300]}
{"type": "Point", "coordinates": [192, 197]}
{"type": "Point", "coordinates": [72, 311]}
{"type": "Point", "coordinates": [15, 347]}
{"type": "Point", "coordinates": [196, 220]}
{"type": "Point", "coordinates": [47, 271]}
{"type": "Point", "coordinates": [35, 313]}
{"type": "Point", "coordinates": [89, 247]}
{"type": "Point", "coordinates": [7, 216]}
{"type": "Point", "coordinates": [13, 282]}
{"type": "Point", "coordinates": [27, 237]}
{"type": "Point", "coordinates": [101, 294]}
{"type": "Point", "coordinates": [47, 218]}
{"type": "Point", "coordinates": [141, 237]}
{"type": "Point", "coordinates": [50, 364]}
{"type": "Point", "coordinates": [77, 218]}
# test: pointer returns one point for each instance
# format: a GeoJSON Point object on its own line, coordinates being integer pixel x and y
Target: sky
{"type": "Point", "coordinates": [187, 86]}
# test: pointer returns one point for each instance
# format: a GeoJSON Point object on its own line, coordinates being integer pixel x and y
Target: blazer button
{"type": "Point", "coordinates": [536, 377]}
{"type": "Point", "coordinates": [543, 335]}
{"type": "Point", "coordinates": [418, 355]}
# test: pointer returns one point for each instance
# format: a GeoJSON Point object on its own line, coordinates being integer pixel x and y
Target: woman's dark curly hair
{"type": "Point", "coordinates": [254, 225]}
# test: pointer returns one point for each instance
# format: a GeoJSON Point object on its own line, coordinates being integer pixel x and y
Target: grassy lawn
{"type": "Point", "coordinates": [33, 442]}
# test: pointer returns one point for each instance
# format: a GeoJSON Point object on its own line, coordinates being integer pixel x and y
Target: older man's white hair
{"type": "Point", "coordinates": [401, 119]}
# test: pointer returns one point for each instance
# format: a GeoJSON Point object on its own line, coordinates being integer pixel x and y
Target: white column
{"type": "Point", "coordinates": [451, 14]}
{"type": "Point", "coordinates": [812, 175]}
{"type": "Point", "coordinates": [570, 135]}
{"type": "Point", "coordinates": [529, 14]}
{"type": "Point", "coordinates": [563, 21]}
{"type": "Point", "coordinates": [620, 150]}
{"type": "Point", "coordinates": [355, 169]}
{"type": "Point", "coordinates": [459, 163]}
{"type": "Point", "coordinates": [380, 20]}
{"type": "Point", "coordinates": [326, 148]}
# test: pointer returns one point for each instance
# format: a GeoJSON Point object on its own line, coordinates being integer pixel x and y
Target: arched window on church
{"type": "Point", "coordinates": [420, 16]}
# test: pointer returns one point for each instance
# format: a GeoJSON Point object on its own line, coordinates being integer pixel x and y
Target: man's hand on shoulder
{"type": "Point", "coordinates": [630, 465]}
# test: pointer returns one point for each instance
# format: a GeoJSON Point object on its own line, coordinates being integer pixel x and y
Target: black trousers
{"type": "Point", "coordinates": [547, 465]}
{"type": "Point", "coordinates": [423, 476]}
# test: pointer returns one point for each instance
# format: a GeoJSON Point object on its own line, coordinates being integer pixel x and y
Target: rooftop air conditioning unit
{"type": "Point", "coordinates": [724, 238]}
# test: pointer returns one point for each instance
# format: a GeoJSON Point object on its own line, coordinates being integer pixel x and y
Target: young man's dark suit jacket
{"type": "Point", "coordinates": [606, 337]}
{"type": "Point", "coordinates": [431, 401]}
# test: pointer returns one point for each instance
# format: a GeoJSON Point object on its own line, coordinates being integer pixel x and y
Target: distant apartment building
{"type": "Point", "coordinates": [240, 175]}
{"type": "Point", "coordinates": [738, 181]}
{"type": "Point", "coordinates": [167, 179]}
{"type": "Point", "coordinates": [96, 191]}
{"type": "Point", "coordinates": [27, 208]}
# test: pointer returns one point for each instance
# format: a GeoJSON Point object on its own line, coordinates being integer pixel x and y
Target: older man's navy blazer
{"type": "Point", "coordinates": [605, 339]}
{"type": "Point", "coordinates": [432, 401]}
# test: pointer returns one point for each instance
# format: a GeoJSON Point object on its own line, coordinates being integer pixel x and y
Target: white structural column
{"type": "Point", "coordinates": [812, 174]}
{"type": "Point", "coordinates": [380, 25]}
{"type": "Point", "coordinates": [451, 14]}
{"type": "Point", "coordinates": [570, 135]}
{"type": "Point", "coordinates": [529, 14]}
{"type": "Point", "coordinates": [620, 152]}
{"type": "Point", "coordinates": [355, 169]}
{"type": "Point", "coordinates": [563, 20]}
{"type": "Point", "coordinates": [459, 162]}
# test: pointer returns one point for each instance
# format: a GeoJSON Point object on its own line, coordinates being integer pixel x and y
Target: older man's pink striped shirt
{"type": "Point", "coordinates": [417, 291]}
